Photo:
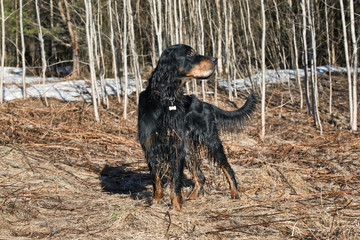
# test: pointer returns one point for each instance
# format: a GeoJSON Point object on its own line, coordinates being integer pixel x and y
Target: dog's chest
{"type": "Point", "coordinates": [170, 123]}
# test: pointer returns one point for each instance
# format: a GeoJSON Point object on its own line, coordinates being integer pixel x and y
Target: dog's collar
{"type": "Point", "coordinates": [171, 99]}
{"type": "Point", "coordinates": [172, 107]}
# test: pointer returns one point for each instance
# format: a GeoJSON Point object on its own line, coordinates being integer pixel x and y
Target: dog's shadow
{"type": "Point", "coordinates": [119, 180]}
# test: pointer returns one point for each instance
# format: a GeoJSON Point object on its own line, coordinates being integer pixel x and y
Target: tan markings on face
{"type": "Point", "coordinates": [203, 69]}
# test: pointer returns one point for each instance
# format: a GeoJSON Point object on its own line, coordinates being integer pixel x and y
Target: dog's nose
{"type": "Point", "coordinates": [213, 59]}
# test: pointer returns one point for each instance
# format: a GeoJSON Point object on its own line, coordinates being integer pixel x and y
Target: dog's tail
{"type": "Point", "coordinates": [237, 118]}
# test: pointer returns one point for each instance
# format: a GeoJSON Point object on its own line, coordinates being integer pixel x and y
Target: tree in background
{"type": "Point", "coordinates": [230, 30]}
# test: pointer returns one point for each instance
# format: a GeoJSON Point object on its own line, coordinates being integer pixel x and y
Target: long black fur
{"type": "Point", "coordinates": [168, 136]}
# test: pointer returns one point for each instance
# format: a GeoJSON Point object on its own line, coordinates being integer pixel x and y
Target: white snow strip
{"type": "Point", "coordinates": [80, 90]}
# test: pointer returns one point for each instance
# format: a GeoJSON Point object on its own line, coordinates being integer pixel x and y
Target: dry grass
{"type": "Point", "coordinates": [63, 176]}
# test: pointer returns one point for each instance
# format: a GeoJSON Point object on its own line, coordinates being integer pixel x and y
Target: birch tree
{"type": "Point", "coordinates": [251, 35]}
{"type": "Point", "coordinates": [115, 58]}
{"type": "Point", "coordinates": [155, 9]}
{"type": "Point", "coordinates": [53, 48]}
{"type": "Point", "coordinates": [100, 56]}
{"type": "Point", "coordinates": [227, 51]}
{"type": "Point", "coordinates": [354, 66]}
{"type": "Point", "coordinates": [2, 52]}
{"type": "Point", "coordinates": [314, 83]}
{"type": "Point", "coordinates": [305, 54]}
{"type": "Point", "coordinates": [281, 47]}
{"type": "Point", "coordinates": [201, 25]}
{"type": "Point", "coordinates": [125, 65]}
{"type": "Point", "coordinates": [170, 15]}
{"type": "Point", "coordinates": [90, 37]}
{"type": "Point", "coordinates": [348, 68]}
{"type": "Point", "coordinates": [329, 56]}
{"type": "Point", "coordinates": [263, 22]}
{"type": "Point", "coordinates": [296, 60]}
{"type": "Point", "coordinates": [176, 21]}
{"type": "Point", "coordinates": [180, 26]}
{"type": "Point", "coordinates": [66, 17]}
{"type": "Point", "coordinates": [23, 51]}
{"type": "Point", "coordinates": [219, 38]}
{"type": "Point", "coordinates": [42, 49]}
{"type": "Point", "coordinates": [134, 53]}
{"type": "Point", "coordinates": [247, 45]}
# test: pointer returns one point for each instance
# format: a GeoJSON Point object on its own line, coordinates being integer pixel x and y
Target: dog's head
{"type": "Point", "coordinates": [192, 64]}
{"type": "Point", "coordinates": [180, 61]}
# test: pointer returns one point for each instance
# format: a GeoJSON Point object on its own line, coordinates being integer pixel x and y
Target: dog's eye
{"type": "Point", "coordinates": [190, 54]}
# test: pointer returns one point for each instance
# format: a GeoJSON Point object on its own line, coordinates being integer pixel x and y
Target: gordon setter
{"type": "Point", "coordinates": [173, 127]}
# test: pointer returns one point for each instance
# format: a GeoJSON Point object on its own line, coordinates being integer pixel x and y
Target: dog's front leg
{"type": "Point", "coordinates": [177, 159]}
{"type": "Point", "coordinates": [155, 172]}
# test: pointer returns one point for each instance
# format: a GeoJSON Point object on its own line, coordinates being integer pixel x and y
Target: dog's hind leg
{"type": "Point", "coordinates": [198, 176]}
{"type": "Point", "coordinates": [199, 180]}
{"type": "Point", "coordinates": [217, 151]}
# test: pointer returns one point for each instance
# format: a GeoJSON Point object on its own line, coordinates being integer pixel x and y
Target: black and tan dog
{"type": "Point", "coordinates": [172, 125]}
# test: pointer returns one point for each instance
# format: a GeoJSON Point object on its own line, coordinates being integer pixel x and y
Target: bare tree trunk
{"type": "Point", "coordinates": [176, 22]}
{"type": "Point", "coordinates": [243, 22]}
{"type": "Point", "coordinates": [153, 46]}
{"type": "Point", "coordinates": [263, 20]}
{"type": "Point", "coordinates": [329, 56]}
{"type": "Point", "coordinates": [66, 17]}
{"type": "Point", "coordinates": [354, 65]}
{"type": "Point", "coordinates": [192, 38]}
{"type": "Point", "coordinates": [227, 51]}
{"type": "Point", "coordinates": [213, 44]}
{"type": "Point", "coordinates": [166, 24]}
{"type": "Point", "coordinates": [23, 51]}
{"type": "Point", "coordinates": [3, 50]}
{"type": "Point", "coordinates": [201, 44]}
{"type": "Point", "coordinates": [120, 36]}
{"type": "Point", "coordinates": [115, 58]}
{"type": "Point", "coordinates": [314, 85]}
{"type": "Point", "coordinates": [251, 35]}
{"type": "Point", "coordinates": [180, 22]}
{"type": "Point", "coordinates": [202, 41]}
{"type": "Point", "coordinates": [53, 48]}
{"type": "Point", "coordinates": [232, 52]}
{"type": "Point", "coordinates": [348, 68]}
{"type": "Point", "coordinates": [90, 37]}
{"type": "Point", "coordinates": [42, 48]}
{"type": "Point", "coordinates": [171, 22]}
{"type": "Point", "coordinates": [305, 47]}
{"type": "Point", "coordinates": [100, 58]}
{"type": "Point", "coordinates": [296, 60]}
{"type": "Point", "coordinates": [190, 24]}
{"type": "Point", "coordinates": [135, 57]}
{"type": "Point", "coordinates": [17, 35]}
{"type": "Point", "coordinates": [155, 9]}
{"type": "Point", "coordinates": [74, 42]}
{"type": "Point", "coordinates": [125, 59]}
{"type": "Point", "coordinates": [219, 38]}
{"type": "Point", "coordinates": [281, 48]}
{"type": "Point", "coordinates": [96, 59]}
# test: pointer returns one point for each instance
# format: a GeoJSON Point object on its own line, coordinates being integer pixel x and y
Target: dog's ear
{"type": "Point", "coordinates": [166, 72]}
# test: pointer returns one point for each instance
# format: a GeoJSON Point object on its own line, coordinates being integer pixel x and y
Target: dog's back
{"type": "Point", "coordinates": [223, 118]}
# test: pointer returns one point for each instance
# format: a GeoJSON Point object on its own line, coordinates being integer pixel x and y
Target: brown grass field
{"type": "Point", "coordinates": [64, 176]}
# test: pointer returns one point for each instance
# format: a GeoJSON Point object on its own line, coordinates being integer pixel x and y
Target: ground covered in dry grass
{"type": "Point", "coordinates": [64, 176]}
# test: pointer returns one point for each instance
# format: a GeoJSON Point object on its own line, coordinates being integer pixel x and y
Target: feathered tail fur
{"type": "Point", "coordinates": [237, 118]}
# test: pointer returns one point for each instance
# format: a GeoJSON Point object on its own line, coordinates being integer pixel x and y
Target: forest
{"type": "Point", "coordinates": [72, 167]}
{"type": "Point", "coordinates": [100, 39]}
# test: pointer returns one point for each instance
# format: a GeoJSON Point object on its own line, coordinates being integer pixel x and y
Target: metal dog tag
{"type": "Point", "coordinates": [172, 108]}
